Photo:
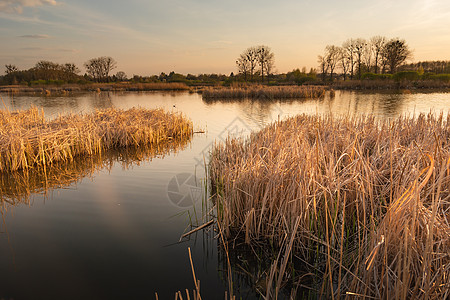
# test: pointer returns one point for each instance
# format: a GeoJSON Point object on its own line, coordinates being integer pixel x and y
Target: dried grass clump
{"type": "Point", "coordinates": [265, 93]}
{"type": "Point", "coordinates": [152, 86]}
{"type": "Point", "coordinates": [28, 140]}
{"type": "Point", "coordinates": [364, 204]}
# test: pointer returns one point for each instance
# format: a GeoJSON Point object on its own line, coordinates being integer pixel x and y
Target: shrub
{"type": "Point", "coordinates": [406, 75]}
{"type": "Point", "coordinates": [373, 76]}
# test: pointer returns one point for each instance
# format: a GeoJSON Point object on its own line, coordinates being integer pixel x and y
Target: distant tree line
{"type": "Point", "coordinates": [355, 57]}
{"type": "Point", "coordinates": [47, 72]}
{"type": "Point", "coordinates": [376, 58]}
{"type": "Point", "coordinates": [435, 67]}
{"type": "Point", "coordinates": [43, 71]}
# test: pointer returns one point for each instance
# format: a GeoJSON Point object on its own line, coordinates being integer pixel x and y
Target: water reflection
{"type": "Point", "coordinates": [102, 100]}
{"type": "Point", "coordinates": [16, 187]}
{"type": "Point", "coordinates": [113, 251]}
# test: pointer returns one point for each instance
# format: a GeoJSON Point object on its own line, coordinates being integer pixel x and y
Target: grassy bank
{"type": "Point", "coordinates": [364, 205]}
{"type": "Point", "coordinates": [48, 89]}
{"type": "Point", "coordinates": [28, 140]}
{"type": "Point", "coordinates": [264, 92]}
{"type": "Point", "coordinates": [390, 84]}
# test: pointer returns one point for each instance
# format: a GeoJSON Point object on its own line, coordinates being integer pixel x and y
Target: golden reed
{"type": "Point", "coordinates": [28, 140]}
{"type": "Point", "coordinates": [265, 93]}
{"type": "Point", "coordinates": [364, 204]}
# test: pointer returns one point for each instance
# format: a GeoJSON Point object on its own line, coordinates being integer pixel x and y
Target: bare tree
{"type": "Point", "coordinates": [349, 49]}
{"type": "Point", "coordinates": [121, 76]}
{"type": "Point", "coordinates": [11, 69]}
{"type": "Point", "coordinates": [70, 68]}
{"type": "Point", "coordinates": [47, 70]}
{"type": "Point", "coordinates": [100, 67]}
{"type": "Point", "coordinates": [378, 42]}
{"type": "Point", "coordinates": [395, 53]}
{"type": "Point", "coordinates": [358, 45]}
{"type": "Point", "coordinates": [344, 61]}
{"type": "Point", "coordinates": [368, 56]}
{"type": "Point", "coordinates": [247, 62]}
{"type": "Point", "coordinates": [251, 55]}
{"type": "Point", "coordinates": [331, 58]}
{"type": "Point", "coordinates": [243, 65]}
{"type": "Point", "coordinates": [323, 66]}
{"type": "Point", "coordinates": [266, 60]}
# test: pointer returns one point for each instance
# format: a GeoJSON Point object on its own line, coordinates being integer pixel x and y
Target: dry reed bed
{"type": "Point", "coordinates": [365, 204]}
{"type": "Point", "coordinates": [265, 93]}
{"type": "Point", "coordinates": [28, 140]}
{"type": "Point", "coordinates": [152, 86]}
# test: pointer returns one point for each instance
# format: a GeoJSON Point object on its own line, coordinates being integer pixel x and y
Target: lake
{"type": "Point", "coordinates": [108, 228]}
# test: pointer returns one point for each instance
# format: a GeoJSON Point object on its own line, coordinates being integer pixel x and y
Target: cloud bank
{"type": "Point", "coordinates": [16, 6]}
{"type": "Point", "coordinates": [35, 36]}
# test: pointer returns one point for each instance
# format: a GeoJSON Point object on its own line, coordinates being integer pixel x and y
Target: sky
{"type": "Point", "coordinates": [147, 37]}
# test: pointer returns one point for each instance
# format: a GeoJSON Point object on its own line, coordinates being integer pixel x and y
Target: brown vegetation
{"type": "Point", "coordinates": [28, 140]}
{"type": "Point", "coordinates": [389, 84]}
{"type": "Point", "coordinates": [265, 93]}
{"type": "Point", "coordinates": [364, 205]}
{"type": "Point", "coordinates": [107, 87]}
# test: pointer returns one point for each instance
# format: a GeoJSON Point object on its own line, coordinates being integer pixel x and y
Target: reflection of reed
{"type": "Point", "coordinates": [16, 187]}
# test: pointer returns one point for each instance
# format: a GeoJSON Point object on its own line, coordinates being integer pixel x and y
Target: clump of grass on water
{"type": "Point", "coordinates": [28, 140]}
{"type": "Point", "coordinates": [364, 204]}
{"type": "Point", "coordinates": [265, 93]}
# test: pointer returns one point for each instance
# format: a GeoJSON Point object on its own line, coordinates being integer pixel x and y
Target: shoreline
{"type": "Point", "coordinates": [48, 90]}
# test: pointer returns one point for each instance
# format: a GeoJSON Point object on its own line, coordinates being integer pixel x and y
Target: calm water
{"type": "Point", "coordinates": [110, 230]}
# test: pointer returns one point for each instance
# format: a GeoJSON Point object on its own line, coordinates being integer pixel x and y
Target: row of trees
{"type": "Point", "coordinates": [43, 70]}
{"type": "Point", "coordinates": [256, 61]}
{"type": "Point", "coordinates": [97, 69]}
{"type": "Point", "coordinates": [436, 67]}
{"type": "Point", "coordinates": [358, 56]}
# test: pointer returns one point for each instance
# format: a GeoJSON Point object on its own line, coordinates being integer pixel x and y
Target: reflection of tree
{"type": "Point", "coordinates": [391, 104]}
{"type": "Point", "coordinates": [16, 187]}
{"type": "Point", "coordinates": [102, 101]}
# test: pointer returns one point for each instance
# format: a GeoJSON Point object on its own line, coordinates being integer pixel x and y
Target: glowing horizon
{"type": "Point", "coordinates": [199, 36]}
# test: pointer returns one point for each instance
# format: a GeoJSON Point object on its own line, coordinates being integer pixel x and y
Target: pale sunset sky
{"type": "Point", "coordinates": [147, 37]}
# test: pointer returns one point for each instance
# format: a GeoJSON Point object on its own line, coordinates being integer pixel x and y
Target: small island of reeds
{"type": "Point", "coordinates": [261, 92]}
{"type": "Point", "coordinates": [28, 139]}
{"type": "Point", "coordinates": [362, 205]}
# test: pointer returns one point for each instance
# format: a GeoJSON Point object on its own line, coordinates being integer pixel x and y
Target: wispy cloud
{"type": "Point", "coordinates": [49, 49]}
{"type": "Point", "coordinates": [35, 36]}
{"type": "Point", "coordinates": [16, 6]}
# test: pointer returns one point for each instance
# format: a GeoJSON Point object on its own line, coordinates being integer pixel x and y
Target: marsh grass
{"type": "Point", "coordinates": [390, 84]}
{"type": "Point", "coordinates": [119, 86]}
{"type": "Point", "coordinates": [152, 86]}
{"type": "Point", "coordinates": [265, 93]}
{"type": "Point", "coordinates": [363, 204]}
{"type": "Point", "coordinates": [28, 140]}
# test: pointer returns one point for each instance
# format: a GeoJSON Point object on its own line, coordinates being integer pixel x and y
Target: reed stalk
{"type": "Point", "coordinates": [28, 140]}
{"type": "Point", "coordinates": [371, 198]}
{"type": "Point", "coordinates": [264, 93]}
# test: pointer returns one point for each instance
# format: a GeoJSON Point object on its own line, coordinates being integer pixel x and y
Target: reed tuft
{"type": "Point", "coordinates": [363, 203]}
{"type": "Point", "coordinates": [28, 140]}
{"type": "Point", "coordinates": [265, 93]}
